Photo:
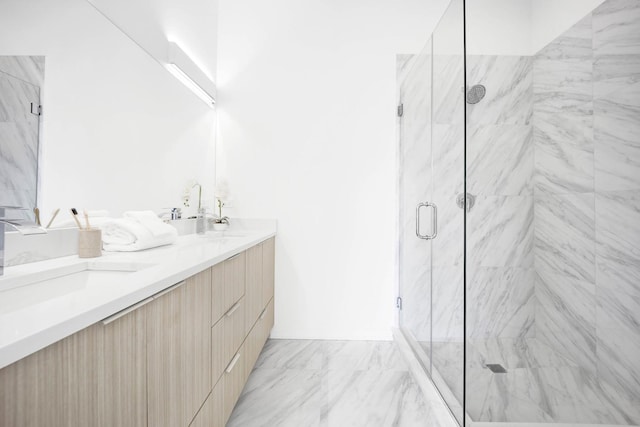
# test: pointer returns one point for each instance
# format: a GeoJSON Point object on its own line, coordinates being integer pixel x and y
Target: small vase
{"type": "Point", "coordinates": [220, 226]}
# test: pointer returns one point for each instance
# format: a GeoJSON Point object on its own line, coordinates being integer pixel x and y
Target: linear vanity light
{"type": "Point", "coordinates": [185, 70]}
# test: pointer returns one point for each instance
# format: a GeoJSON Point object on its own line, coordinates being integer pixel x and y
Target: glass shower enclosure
{"type": "Point", "coordinates": [519, 210]}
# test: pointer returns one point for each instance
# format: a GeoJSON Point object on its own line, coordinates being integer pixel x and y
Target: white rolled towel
{"type": "Point", "coordinates": [135, 233]}
{"type": "Point", "coordinates": [149, 220]}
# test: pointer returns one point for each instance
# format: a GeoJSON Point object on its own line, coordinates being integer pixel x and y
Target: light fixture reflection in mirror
{"type": "Point", "coordinates": [185, 70]}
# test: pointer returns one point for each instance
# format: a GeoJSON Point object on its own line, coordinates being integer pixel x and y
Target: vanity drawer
{"type": "Point", "coordinates": [218, 303]}
{"type": "Point", "coordinates": [233, 330]}
{"type": "Point", "coordinates": [253, 286]}
{"type": "Point", "coordinates": [210, 415]}
{"type": "Point", "coordinates": [233, 380]}
{"type": "Point", "coordinates": [234, 279]}
{"type": "Point", "coordinates": [257, 337]}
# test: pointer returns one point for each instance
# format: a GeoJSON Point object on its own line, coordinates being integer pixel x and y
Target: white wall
{"type": "Point", "coordinates": [193, 24]}
{"type": "Point", "coordinates": [552, 17]}
{"type": "Point", "coordinates": [499, 27]}
{"type": "Point", "coordinates": [520, 27]}
{"type": "Point", "coordinates": [306, 93]}
{"type": "Point", "coordinates": [119, 131]}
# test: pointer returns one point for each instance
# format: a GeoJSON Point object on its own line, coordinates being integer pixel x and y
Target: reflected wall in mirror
{"type": "Point", "coordinates": [119, 132]}
{"type": "Point", "coordinates": [21, 81]}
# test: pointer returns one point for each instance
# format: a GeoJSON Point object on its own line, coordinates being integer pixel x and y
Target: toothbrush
{"type": "Point", "coordinates": [74, 213]}
{"type": "Point", "coordinates": [55, 213]}
{"type": "Point", "coordinates": [36, 211]}
{"type": "Point", "coordinates": [86, 218]}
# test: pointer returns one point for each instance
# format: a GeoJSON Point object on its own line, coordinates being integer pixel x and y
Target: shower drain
{"type": "Point", "coordinates": [496, 368]}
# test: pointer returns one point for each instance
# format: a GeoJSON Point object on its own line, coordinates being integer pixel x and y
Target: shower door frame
{"type": "Point", "coordinates": [453, 404]}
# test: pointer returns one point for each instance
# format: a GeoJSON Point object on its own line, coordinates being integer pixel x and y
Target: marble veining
{"type": "Point", "coordinates": [29, 69]}
{"type": "Point", "coordinates": [616, 28]}
{"type": "Point", "coordinates": [511, 147]}
{"type": "Point", "coordinates": [564, 153]}
{"type": "Point", "coordinates": [504, 302]}
{"type": "Point", "coordinates": [333, 384]}
{"type": "Point", "coordinates": [501, 232]}
{"type": "Point", "coordinates": [617, 140]}
{"type": "Point", "coordinates": [448, 99]}
{"type": "Point", "coordinates": [508, 80]}
{"type": "Point", "coordinates": [564, 235]}
{"type": "Point", "coordinates": [565, 317]}
{"type": "Point", "coordinates": [587, 256]}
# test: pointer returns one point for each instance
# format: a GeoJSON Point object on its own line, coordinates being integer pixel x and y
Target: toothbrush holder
{"type": "Point", "coordinates": [89, 243]}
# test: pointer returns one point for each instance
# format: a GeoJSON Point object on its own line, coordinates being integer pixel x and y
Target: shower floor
{"type": "Point", "coordinates": [540, 385]}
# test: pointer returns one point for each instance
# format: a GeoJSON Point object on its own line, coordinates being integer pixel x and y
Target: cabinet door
{"type": "Point", "coordinates": [32, 390]}
{"type": "Point", "coordinates": [196, 337]}
{"type": "Point", "coordinates": [234, 279]}
{"type": "Point", "coordinates": [166, 404]}
{"type": "Point", "coordinates": [95, 377]}
{"type": "Point", "coordinates": [233, 329]}
{"type": "Point", "coordinates": [179, 352]}
{"type": "Point", "coordinates": [258, 336]}
{"type": "Point", "coordinates": [268, 270]}
{"type": "Point", "coordinates": [253, 286]}
{"type": "Point", "coordinates": [123, 399]}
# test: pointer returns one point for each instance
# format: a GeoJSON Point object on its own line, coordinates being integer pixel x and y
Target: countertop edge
{"type": "Point", "coordinates": [27, 345]}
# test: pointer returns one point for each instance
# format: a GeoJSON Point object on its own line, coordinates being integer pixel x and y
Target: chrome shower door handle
{"type": "Point", "coordinates": [434, 221]}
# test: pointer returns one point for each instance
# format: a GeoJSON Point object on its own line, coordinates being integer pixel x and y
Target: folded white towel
{"type": "Point", "coordinates": [149, 220]}
{"type": "Point", "coordinates": [126, 235]}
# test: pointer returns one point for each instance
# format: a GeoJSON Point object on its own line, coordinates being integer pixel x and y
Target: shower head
{"type": "Point", "coordinates": [475, 94]}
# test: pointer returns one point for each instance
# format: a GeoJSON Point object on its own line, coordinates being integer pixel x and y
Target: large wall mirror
{"type": "Point", "coordinates": [21, 80]}
{"type": "Point", "coordinates": [117, 131]}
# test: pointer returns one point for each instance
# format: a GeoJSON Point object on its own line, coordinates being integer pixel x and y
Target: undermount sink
{"type": "Point", "coordinates": [83, 273]}
{"type": "Point", "coordinates": [225, 234]}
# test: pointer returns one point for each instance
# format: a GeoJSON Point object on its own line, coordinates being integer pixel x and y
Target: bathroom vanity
{"type": "Point", "coordinates": [176, 348]}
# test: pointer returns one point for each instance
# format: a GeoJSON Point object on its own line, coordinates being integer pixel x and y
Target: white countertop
{"type": "Point", "coordinates": [35, 316]}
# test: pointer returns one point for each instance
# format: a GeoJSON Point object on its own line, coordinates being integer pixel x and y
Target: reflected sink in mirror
{"type": "Point", "coordinates": [81, 274]}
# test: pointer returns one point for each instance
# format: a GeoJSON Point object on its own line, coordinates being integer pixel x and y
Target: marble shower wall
{"type": "Point", "coordinates": [587, 195]}
{"type": "Point", "coordinates": [500, 160]}
{"type": "Point", "coordinates": [20, 80]}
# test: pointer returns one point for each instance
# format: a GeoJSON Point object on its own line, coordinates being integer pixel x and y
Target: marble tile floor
{"type": "Point", "coordinates": [540, 386]}
{"type": "Point", "coordinates": [313, 383]}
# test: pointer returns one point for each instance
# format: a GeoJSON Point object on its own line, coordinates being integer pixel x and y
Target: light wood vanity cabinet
{"type": "Point", "coordinates": [95, 377]}
{"type": "Point", "coordinates": [180, 358]}
{"type": "Point", "coordinates": [268, 270]}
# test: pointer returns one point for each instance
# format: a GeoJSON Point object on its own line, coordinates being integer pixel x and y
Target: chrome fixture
{"type": "Point", "coordinates": [469, 200]}
{"type": "Point", "coordinates": [434, 221]}
{"type": "Point", "coordinates": [475, 94]}
{"type": "Point", "coordinates": [175, 213]}
{"type": "Point", "coordinates": [23, 226]}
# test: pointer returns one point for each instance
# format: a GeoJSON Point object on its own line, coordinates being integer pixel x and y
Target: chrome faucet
{"type": "Point", "coordinates": [23, 226]}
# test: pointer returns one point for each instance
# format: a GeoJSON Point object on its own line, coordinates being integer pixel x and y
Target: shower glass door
{"type": "Point", "coordinates": [431, 254]}
{"type": "Point", "coordinates": [416, 189]}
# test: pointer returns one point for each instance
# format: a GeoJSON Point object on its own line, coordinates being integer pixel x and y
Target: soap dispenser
{"type": "Point", "coordinates": [201, 221]}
